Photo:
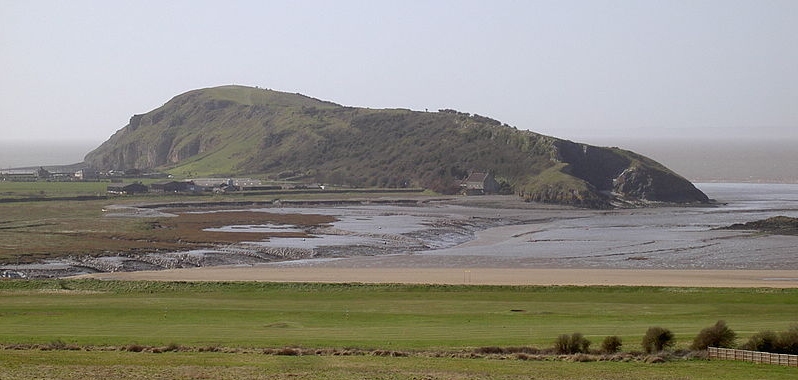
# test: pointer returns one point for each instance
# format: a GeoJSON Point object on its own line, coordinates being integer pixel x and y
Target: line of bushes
{"type": "Point", "coordinates": [655, 340]}
{"type": "Point", "coordinates": [658, 339]}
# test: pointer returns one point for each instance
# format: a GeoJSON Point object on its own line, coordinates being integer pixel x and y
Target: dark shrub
{"type": "Point", "coordinates": [765, 341]}
{"type": "Point", "coordinates": [561, 344]}
{"type": "Point", "coordinates": [718, 335]}
{"type": "Point", "coordinates": [788, 341]}
{"type": "Point", "coordinates": [573, 344]}
{"type": "Point", "coordinates": [768, 341]}
{"type": "Point", "coordinates": [611, 344]}
{"type": "Point", "coordinates": [656, 339]}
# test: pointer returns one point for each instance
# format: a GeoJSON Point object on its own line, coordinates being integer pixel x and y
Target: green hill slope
{"type": "Point", "coordinates": [234, 130]}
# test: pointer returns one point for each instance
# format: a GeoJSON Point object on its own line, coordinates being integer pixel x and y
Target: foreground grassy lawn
{"type": "Point", "coordinates": [241, 321]}
{"type": "Point", "coordinates": [177, 365]}
{"type": "Point", "coordinates": [404, 317]}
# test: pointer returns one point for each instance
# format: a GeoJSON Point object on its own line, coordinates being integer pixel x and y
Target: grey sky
{"type": "Point", "coordinates": [591, 71]}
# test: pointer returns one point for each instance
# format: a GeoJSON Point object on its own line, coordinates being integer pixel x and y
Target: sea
{"type": "Point", "coordinates": [22, 154]}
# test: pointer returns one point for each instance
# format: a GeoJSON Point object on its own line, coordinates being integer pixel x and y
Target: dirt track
{"type": "Point", "coordinates": [486, 276]}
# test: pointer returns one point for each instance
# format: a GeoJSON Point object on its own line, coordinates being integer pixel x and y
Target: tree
{"type": "Point", "coordinates": [656, 339]}
{"type": "Point", "coordinates": [573, 344]}
{"type": "Point", "coordinates": [718, 335]}
{"type": "Point", "coordinates": [611, 344]}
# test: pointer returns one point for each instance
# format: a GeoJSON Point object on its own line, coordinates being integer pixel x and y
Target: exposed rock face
{"type": "Point", "coordinates": [614, 176]}
{"type": "Point", "coordinates": [628, 174]}
{"type": "Point", "coordinates": [235, 130]}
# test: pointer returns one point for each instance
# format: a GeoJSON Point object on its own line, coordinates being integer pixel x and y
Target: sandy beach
{"type": "Point", "coordinates": [482, 276]}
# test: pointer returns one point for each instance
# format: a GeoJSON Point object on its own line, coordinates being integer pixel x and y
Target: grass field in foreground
{"type": "Point", "coordinates": [83, 365]}
{"type": "Point", "coordinates": [252, 315]}
{"type": "Point", "coordinates": [395, 317]}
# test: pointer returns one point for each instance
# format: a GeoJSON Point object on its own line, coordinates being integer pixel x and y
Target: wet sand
{"type": "Point", "coordinates": [482, 276]}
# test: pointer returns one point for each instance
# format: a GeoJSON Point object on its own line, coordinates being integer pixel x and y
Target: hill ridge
{"type": "Point", "coordinates": [238, 130]}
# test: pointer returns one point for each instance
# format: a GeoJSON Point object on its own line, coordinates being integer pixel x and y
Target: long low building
{"type": "Point", "coordinates": [130, 188]}
{"type": "Point", "coordinates": [219, 182]}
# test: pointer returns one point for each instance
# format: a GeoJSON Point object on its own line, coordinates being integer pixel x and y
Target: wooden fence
{"type": "Point", "coordinates": [753, 356]}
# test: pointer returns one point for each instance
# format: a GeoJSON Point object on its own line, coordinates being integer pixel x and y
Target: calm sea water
{"type": "Point", "coordinates": [16, 154]}
{"type": "Point", "coordinates": [753, 196]}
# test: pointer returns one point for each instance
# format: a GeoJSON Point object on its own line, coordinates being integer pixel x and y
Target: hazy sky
{"type": "Point", "coordinates": [590, 70]}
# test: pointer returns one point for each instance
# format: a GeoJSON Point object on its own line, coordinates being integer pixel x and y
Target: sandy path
{"type": "Point", "coordinates": [487, 276]}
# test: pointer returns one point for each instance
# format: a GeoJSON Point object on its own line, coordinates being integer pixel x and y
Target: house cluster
{"type": "Point", "coordinates": [42, 174]}
{"type": "Point", "coordinates": [477, 183]}
{"type": "Point", "coordinates": [194, 186]}
{"type": "Point", "coordinates": [69, 174]}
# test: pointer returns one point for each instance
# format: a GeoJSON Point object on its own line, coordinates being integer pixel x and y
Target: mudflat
{"type": "Point", "coordinates": [501, 241]}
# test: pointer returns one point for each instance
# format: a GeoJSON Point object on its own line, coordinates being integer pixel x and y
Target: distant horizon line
{"type": "Point", "coordinates": [583, 139]}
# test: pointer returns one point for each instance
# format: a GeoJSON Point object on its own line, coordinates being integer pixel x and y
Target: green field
{"type": "Point", "coordinates": [371, 316]}
{"type": "Point", "coordinates": [82, 365]}
{"type": "Point", "coordinates": [40, 189]}
{"type": "Point", "coordinates": [240, 320]}
{"type": "Point", "coordinates": [247, 317]}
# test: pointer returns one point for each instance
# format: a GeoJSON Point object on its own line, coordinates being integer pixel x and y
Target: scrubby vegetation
{"type": "Point", "coordinates": [718, 335]}
{"type": "Point", "coordinates": [785, 342]}
{"type": "Point", "coordinates": [575, 343]}
{"type": "Point", "coordinates": [611, 344]}
{"type": "Point", "coordinates": [657, 339]}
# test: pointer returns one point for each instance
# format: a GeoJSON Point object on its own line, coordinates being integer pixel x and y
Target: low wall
{"type": "Point", "coordinates": [753, 356]}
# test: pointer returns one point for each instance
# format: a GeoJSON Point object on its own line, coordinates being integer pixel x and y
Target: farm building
{"type": "Point", "coordinates": [177, 187]}
{"type": "Point", "coordinates": [479, 183]}
{"type": "Point", "coordinates": [130, 188]}
{"type": "Point", "coordinates": [87, 174]}
{"type": "Point", "coordinates": [170, 186]}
